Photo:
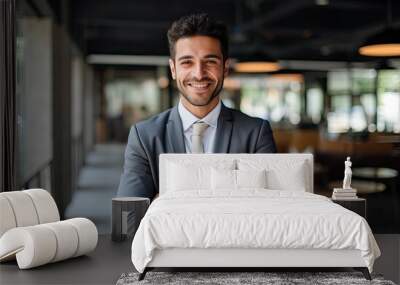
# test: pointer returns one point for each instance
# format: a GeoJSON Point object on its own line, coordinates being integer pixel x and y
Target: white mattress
{"type": "Point", "coordinates": [252, 218]}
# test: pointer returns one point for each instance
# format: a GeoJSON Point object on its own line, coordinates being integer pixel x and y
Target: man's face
{"type": "Point", "coordinates": [198, 69]}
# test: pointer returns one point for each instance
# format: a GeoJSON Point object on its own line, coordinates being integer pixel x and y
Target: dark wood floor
{"type": "Point", "coordinates": [97, 184]}
{"type": "Point", "coordinates": [102, 266]}
{"type": "Point", "coordinates": [110, 259]}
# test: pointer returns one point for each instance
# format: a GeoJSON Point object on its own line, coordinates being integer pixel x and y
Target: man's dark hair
{"type": "Point", "coordinates": [198, 25]}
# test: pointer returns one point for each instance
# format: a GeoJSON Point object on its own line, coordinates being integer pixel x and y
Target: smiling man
{"type": "Point", "coordinates": [200, 123]}
{"type": "Point", "coordinates": [198, 65]}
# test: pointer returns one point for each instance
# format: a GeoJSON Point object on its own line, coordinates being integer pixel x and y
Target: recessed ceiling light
{"type": "Point", "coordinates": [322, 2]}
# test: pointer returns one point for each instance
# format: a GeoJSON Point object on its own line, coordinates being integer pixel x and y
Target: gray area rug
{"type": "Point", "coordinates": [229, 278]}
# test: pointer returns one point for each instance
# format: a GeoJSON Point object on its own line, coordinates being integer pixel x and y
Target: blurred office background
{"type": "Point", "coordinates": [85, 71]}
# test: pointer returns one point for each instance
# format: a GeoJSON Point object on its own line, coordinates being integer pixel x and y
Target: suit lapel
{"type": "Point", "coordinates": [224, 131]}
{"type": "Point", "coordinates": [175, 137]}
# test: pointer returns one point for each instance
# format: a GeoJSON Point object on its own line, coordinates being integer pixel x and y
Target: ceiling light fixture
{"type": "Point", "coordinates": [257, 62]}
{"type": "Point", "coordinates": [256, 66]}
{"type": "Point", "coordinates": [386, 43]}
{"type": "Point", "coordinates": [298, 77]}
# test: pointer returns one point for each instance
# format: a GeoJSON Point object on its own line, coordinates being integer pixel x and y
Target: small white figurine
{"type": "Point", "coordinates": [347, 174]}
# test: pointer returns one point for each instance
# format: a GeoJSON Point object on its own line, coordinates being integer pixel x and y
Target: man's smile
{"type": "Point", "coordinates": [200, 86]}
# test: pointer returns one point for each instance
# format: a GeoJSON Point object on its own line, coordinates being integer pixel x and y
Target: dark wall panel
{"type": "Point", "coordinates": [62, 183]}
{"type": "Point", "coordinates": [7, 97]}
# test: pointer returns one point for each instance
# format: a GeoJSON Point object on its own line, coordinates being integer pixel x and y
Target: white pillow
{"type": "Point", "coordinates": [251, 178]}
{"type": "Point", "coordinates": [186, 175]}
{"type": "Point", "coordinates": [236, 179]}
{"type": "Point", "coordinates": [287, 174]}
{"type": "Point", "coordinates": [223, 179]}
{"type": "Point", "coordinates": [278, 179]}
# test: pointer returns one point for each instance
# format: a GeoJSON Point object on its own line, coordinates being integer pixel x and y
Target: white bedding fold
{"type": "Point", "coordinates": [252, 218]}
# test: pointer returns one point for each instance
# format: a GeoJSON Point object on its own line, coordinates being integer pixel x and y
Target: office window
{"type": "Point", "coordinates": [34, 100]}
{"type": "Point", "coordinates": [315, 104]}
{"type": "Point", "coordinates": [389, 101]}
{"type": "Point", "coordinates": [364, 101]}
{"type": "Point", "coordinates": [363, 81]}
{"type": "Point", "coordinates": [271, 98]}
{"type": "Point", "coordinates": [130, 97]}
{"type": "Point", "coordinates": [353, 100]}
{"type": "Point", "coordinates": [339, 120]}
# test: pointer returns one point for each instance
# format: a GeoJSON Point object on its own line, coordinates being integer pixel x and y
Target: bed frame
{"type": "Point", "coordinates": [245, 258]}
{"type": "Point", "coordinates": [242, 259]}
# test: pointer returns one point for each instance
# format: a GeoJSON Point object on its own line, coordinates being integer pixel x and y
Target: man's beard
{"type": "Point", "coordinates": [214, 94]}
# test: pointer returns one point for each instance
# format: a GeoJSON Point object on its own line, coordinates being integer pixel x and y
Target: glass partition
{"type": "Point", "coordinates": [388, 117]}
{"type": "Point", "coordinates": [130, 97]}
{"type": "Point", "coordinates": [271, 98]}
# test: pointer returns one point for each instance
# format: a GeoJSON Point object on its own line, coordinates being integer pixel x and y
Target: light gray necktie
{"type": "Point", "coordinates": [197, 137]}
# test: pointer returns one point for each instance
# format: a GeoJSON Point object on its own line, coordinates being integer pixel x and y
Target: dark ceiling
{"type": "Point", "coordinates": [284, 29]}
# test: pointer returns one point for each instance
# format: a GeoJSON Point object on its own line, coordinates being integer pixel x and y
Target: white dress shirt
{"type": "Point", "coordinates": [209, 134]}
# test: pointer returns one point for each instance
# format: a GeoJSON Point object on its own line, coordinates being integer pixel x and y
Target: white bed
{"type": "Point", "coordinates": [247, 210]}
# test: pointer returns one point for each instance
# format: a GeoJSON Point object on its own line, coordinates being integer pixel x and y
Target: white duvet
{"type": "Point", "coordinates": [252, 218]}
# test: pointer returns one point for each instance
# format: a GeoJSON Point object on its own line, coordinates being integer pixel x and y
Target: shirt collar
{"type": "Point", "coordinates": [188, 118]}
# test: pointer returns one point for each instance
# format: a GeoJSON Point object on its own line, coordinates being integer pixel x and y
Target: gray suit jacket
{"type": "Point", "coordinates": [163, 133]}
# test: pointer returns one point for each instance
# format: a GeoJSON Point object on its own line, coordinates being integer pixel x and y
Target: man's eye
{"type": "Point", "coordinates": [186, 62]}
{"type": "Point", "coordinates": [211, 62]}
